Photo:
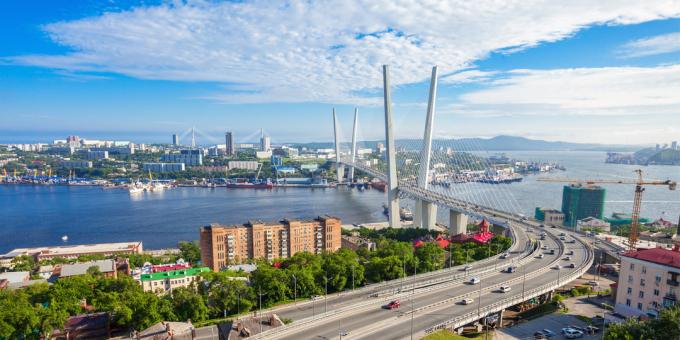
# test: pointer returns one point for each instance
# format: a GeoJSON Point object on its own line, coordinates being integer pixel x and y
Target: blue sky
{"type": "Point", "coordinates": [572, 70]}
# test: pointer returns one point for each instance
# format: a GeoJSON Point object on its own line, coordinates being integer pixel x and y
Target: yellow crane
{"type": "Point", "coordinates": [637, 201]}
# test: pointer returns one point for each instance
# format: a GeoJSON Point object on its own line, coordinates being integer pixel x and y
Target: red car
{"type": "Point", "coordinates": [392, 305]}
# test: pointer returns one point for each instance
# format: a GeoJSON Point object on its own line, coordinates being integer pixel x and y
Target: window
{"type": "Point", "coordinates": [641, 295]}
{"type": "Point", "coordinates": [658, 278]}
{"type": "Point", "coordinates": [642, 282]}
{"type": "Point", "coordinates": [639, 305]}
{"type": "Point", "coordinates": [630, 278]}
{"type": "Point", "coordinates": [632, 266]}
{"type": "Point", "coordinates": [644, 270]}
{"type": "Point", "coordinates": [656, 292]}
{"type": "Point", "coordinates": [628, 302]}
{"type": "Point", "coordinates": [630, 291]}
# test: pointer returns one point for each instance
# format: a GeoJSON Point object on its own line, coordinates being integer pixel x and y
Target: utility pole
{"type": "Point", "coordinates": [325, 297]}
{"type": "Point", "coordinates": [260, 312]}
{"type": "Point", "coordinates": [352, 277]}
{"type": "Point", "coordinates": [294, 289]}
{"type": "Point", "coordinates": [413, 293]}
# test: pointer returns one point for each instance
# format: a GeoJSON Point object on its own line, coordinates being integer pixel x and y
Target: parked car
{"type": "Point", "coordinates": [505, 289]}
{"type": "Point", "coordinates": [544, 334]}
{"type": "Point", "coordinates": [392, 305]}
{"type": "Point", "coordinates": [593, 283]}
{"type": "Point", "coordinates": [474, 280]}
{"type": "Point", "coordinates": [571, 333]}
{"type": "Point", "coordinates": [467, 301]}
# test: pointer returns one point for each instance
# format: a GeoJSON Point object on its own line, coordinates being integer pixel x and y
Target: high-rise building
{"type": "Point", "coordinates": [579, 202]}
{"type": "Point", "coordinates": [175, 140]}
{"type": "Point", "coordinates": [674, 145]}
{"type": "Point", "coordinates": [265, 144]}
{"type": "Point", "coordinates": [226, 245]}
{"type": "Point", "coordinates": [230, 145]}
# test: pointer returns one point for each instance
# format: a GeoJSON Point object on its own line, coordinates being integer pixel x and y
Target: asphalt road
{"type": "Point", "coordinates": [375, 322]}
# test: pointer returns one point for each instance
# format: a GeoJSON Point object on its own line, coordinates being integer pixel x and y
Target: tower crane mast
{"type": "Point", "coordinates": [639, 183]}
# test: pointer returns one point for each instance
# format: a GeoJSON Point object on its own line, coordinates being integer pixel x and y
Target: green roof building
{"type": "Point", "coordinates": [579, 202]}
{"type": "Point", "coordinates": [166, 281]}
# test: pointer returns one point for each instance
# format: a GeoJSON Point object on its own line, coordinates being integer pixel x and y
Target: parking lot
{"type": "Point", "coordinates": [554, 322]}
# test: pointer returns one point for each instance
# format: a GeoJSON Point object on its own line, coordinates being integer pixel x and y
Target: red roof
{"type": "Point", "coordinates": [482, 237]}
{"type": "Point", "coordinates": [418, 243]}
{"type": "Point", "coordinates": [656, 255]}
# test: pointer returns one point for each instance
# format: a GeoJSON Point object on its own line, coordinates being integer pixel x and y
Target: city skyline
{"type": "Point", "coordinates": [150, 70]}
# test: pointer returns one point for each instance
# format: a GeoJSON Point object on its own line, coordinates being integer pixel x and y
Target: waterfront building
{"type": "Point", "coordinates": [76, 164]}
{"type": "Point", "coordinates": [175, 139]}
{"type": "Point", "coordinates": [227, 245]}
{"type": "Point", "coordinates": [648, 281]}
{"type": "Point", "coordinates": [230, 144]}
{"type": "Point", "coordinates": [579, 202]}
{"type": "Point", "coordinates": [163, 167]}
{"type": "Point", "coordinates": [72, 251]}
{"type": "Point", "coordinates": [245, 165]}
{"type": "Point", "coordinates": [552, 216]}
{"type": "Point", "coordinates": [163, 282]}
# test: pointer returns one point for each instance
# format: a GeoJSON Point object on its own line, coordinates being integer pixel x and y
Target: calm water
{"type": "Point", "coordinates": [40, 215]}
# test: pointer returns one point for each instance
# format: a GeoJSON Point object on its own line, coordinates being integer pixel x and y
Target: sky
{"type": "Point", "coordinates": [579, 70]}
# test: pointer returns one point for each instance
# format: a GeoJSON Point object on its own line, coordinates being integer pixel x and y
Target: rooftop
{"type": "Point", "coordinates": [105, 266]}
{"type": "Point", "coordinates": [173, 274]}
{"type": "Point", "coordinates": [661, 256]}
{"type": "Point", "coordinates": [13, 277]}
{"type": "Point", "coordinates": [75, 249]}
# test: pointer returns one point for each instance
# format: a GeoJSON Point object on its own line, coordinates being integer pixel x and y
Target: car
{"type": "Point", "coordinates": [571, 333]}
{"type": "Point", "coordinates": [505, 255]}
{"type": "Point", "coordinates": [344, 333]}
{"type": "Point", "coordinates": [571, 252]}
{"type": "Point", "coordinates": [545, 247]}
{"type": "Point", "coordinates": [562, 238]}
{"type": "Point", "coordinates": [571, 241]}
{"type": "Point", "coordinates": [591, 329]}
{"type": "Point", "coordinates": [466, 268]}
{"type": "Point", "coordinates": [553, 226]}
{"type": "Point", "coordinates": [542, 225]}
{"type": "Point", "coordinates": [510, 269]}
{"type": "Point", "coordinates": [563, 234]}
{"type": "Point", "coordinates": [593, 283]}
{"type": "Point", "coordinates": [467, 301]}
{"type": "Point", "coordinates": [548, 333]}
{"type": "Point", "coordinates": [597, 242]}
{"type": "Point", "coordinates": [474, 280]}
{"type": "Point", "coordinates": [567, 258]}
{"type": "Point", "coordinates": [576, 328]}
{"type": "Point", "coordinates": [392, 305]}
{"type": "Point", "coordinates": [505, 289]}
{"type": "Point", "coordinates": [540, 256]}
{"type": "Point", "coordinates": [571, 265]}
{"type": "Point", "coordinates": [557, 266]}
{"type": "Point", "coordinates": [552, 251]}
{"type": "Point", "coordinates": [315, 297]}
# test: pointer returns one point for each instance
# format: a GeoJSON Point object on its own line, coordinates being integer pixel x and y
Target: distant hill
{"type": "Point", "coordinates": [498, 143]}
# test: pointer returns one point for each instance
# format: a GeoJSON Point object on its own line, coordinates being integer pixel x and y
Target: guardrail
{"type": "Point", "coordinates": [511, 301]}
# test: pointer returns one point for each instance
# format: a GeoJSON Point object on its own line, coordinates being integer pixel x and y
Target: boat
{"type": "Point", "coordinates": [500, 179]}
{"type": "Point", "coordinates": [256, 184]}
{"type": "Point", "coordinates": [64, 238]}
{"type": "Point", "coordinates": [380, 185]}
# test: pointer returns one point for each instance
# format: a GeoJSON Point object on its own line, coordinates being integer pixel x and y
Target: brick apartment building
{"type": "Point", "coordinates": [648, 282]}
{"type": "Point", "coordinates": [227, 245]}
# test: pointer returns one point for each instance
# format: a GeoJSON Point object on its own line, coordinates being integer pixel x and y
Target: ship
{"type": "Point", "coordinates": [501, 179]}
{"type": "Point", "coordinates": [380, 185]}
{"type": "Point", "coordinates": [256, 184]}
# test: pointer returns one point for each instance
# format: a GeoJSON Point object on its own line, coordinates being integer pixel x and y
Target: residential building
{"type": "Point", "coordinates": [649, 281]}
{"type": "Point", "coordinates": [230, 144]}
{"type": "Point", "coordinates": [97, 155]}
{"type": "Point", "coordinates": [15, 277]}
{"type": "Point", "coordinates": [85, 326]}
{"type": "Point", "coordinates": [163, 282]}
{"type": "Point", "coordinates": [551, 216]}
{"type": "Point", "coordinates": [265, 143]}
{"type": "Point", "coordinates": [188, 157]}
{"type": "Point", "coordinates": [226, 245]}
{"type": "Point", "coordinates": [245, 165]}
{"type": "Point", "coordinates": [76, 164]}
{"type": "Point", "coordinates": [163, 167]}
{"type": "Point", "coordinates": [579, 202]}
{"type": "Point", "coordinates": [175, 140]}
{"type": "Point", "coordinates": [72, 252]}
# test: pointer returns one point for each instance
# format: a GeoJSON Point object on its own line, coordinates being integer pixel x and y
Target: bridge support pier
{"type": "Point", "coordinates": [457, 223]}
{"type": "Point", "coordinates": [392, 181]}
{"type": "Point", "coordinates": [339, 168]}
{"type": "Point", "coordinates": [499, 323]}
{"type": "Point", "coordinates": [425, 215]}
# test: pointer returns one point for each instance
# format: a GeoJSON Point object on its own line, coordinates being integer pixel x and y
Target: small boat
{"type": "Point", "coordinates": [64, 238]}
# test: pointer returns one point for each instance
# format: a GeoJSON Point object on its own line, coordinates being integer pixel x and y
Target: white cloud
{"type": "Point", "coordinates": [660, 44]}
{"type": "Point", "coordinates": [608, 91]}
{"type": "Point", "coordinates": [320, 51]}
{"type": "Point", "coordinates": [468, 76]}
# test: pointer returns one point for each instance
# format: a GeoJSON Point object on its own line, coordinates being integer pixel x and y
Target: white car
{"type": "Point", "coordinates": [505, 255]}
{"type": "Point", "coordinates": [567, 258]}
{"type": "Point", "coordinates": [316, 297]}
{"type": "Point", "coordinates": [505, 289]}
{"type": "Point", "coordinates": [571, 333]}
{"type": "Point", "coordinates": [540, 256]}
{"type": "Point", "coordinates": [557, 266]}
{"type": "Point", "coordinates": [474, 280]}
{"type": "Point", "coordinates": [593, 283]}
{"type": "Point", "coordinates": [545, 247]}
{"type": "Point", "coordinates": [467, 301]}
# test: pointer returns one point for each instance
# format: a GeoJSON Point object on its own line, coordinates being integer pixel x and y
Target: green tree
{"type": "Point", "coordinates": [190, 251]}
{"type": "Point", "coordinates": [430, 257]}
{"type": "Point", "coordinates": [188, 304]}
{"type": "Point", "coordinates": [224, 293]}
{"type": "Point", "coordinates": [272, 283]}
{"type": "Point", "coordinates": [18, 318]}
{"type": "Point", "coordinates": [24, 263]}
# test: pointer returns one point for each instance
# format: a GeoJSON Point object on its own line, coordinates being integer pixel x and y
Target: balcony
{"type": "Point", "coordinates": [672, 282]}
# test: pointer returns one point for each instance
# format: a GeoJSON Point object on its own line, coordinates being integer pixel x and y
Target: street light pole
{"type": "Point", "coordinates": [413, 293]}
{"type": "Point", "coordinates": [294, 289]}
{"type": "Point", "coordinates": [352, 277]}
{"type": "Point", "coordinates": [260, 312]}
{"type": "Point", "coordinates": [325, 297]}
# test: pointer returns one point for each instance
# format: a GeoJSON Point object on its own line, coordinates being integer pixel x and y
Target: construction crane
{"type": "Point", "coordinates": [637, 201]}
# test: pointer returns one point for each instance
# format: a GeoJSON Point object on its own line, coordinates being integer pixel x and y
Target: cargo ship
{"type": "Point", "coordinates": [257, 184]}
{"type": "Point", "coordinates": [380, 185]}
{"type": "Point", "coordinates": [501, 179]}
